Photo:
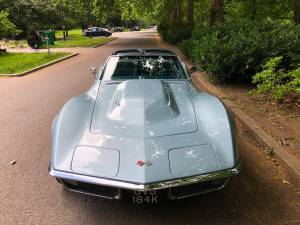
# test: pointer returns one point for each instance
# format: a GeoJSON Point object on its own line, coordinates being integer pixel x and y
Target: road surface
{"type": "Point", "coordinates": [262, 194]}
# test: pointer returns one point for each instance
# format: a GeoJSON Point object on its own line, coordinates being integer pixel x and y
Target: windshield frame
{"type": "Point", "coordinates": [180, 63]}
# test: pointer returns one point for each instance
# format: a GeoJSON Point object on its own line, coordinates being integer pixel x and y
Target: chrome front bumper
{"type": "Point", "coordinates": [219, 175]}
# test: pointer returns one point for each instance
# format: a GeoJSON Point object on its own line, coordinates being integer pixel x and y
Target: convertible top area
{"type": "Point", "coordinates": [131, 64]}
{"type": "Point", "coordinates": [152, 51]}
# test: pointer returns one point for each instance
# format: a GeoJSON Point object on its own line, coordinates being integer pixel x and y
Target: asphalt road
{"type": "Point", "coordinates": [262, 194]}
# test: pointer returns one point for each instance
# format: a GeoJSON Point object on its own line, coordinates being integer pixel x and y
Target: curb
{"type": "Point", "coordinates": [98, 45]}
{"type": "Point", "coordinates": [38, 68]}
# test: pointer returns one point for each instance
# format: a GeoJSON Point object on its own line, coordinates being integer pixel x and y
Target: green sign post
{"type": "Point", "coordinates": [47, 41]}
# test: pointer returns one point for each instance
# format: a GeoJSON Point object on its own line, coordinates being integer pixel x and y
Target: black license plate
{"type": "Point", "coordinates": [142, 197]}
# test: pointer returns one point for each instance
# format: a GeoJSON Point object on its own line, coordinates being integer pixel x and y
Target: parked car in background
{"type": "Point", "coordinates": [118, 29]}
{"type": "Point", "coordinates": [136, 28]}
{"type": "Point", "coordinates": [144, 131]}
{"type": "Point", "coordinates": [96, 31]}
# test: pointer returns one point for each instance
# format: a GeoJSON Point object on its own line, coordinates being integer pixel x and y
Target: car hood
{"type": "Point", "coordinates": [143, 109]}
{"type": "Point", "coordinates": [108, 130]}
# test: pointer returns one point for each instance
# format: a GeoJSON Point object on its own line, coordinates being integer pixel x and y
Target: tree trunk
{"type": "Point", "coordinates": [254, 9]}
{"type": "Point", "coordinates": [217, 12]}
{"type": "Point", "coordinates": [176, 13]}
{"type": "Point", "coordinates": [179, 11]}
{"type": "Point", "coordinates": [191, 21]}
{"type": "Point", "coordinates": [297, 11]}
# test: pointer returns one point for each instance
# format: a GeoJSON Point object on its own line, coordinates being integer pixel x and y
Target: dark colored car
{"type": "Point", "coordinates": [118, 29]}
{"type": "Point", "coordinates": [95, 32]}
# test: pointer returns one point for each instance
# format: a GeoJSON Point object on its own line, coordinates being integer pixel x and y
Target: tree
{"type": "Point", "coordinates": [32, 14]}
{"type": "Point", "coordinates": [297, 11]}
{"type": "Point", "coordinates": [6, 27]}
{"type": "Point", "coordinates": [190, 16]}
{"type": "Point", "coordinates": [217, 12]}
{"type": "Point", "coordinates": [253, 9]}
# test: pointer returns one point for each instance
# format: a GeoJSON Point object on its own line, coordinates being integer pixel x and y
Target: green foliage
{"type": "Point", "coordinates": [276, 81]}
{"type": "Point", "coordinates": [32, 14]}
{"type": "Point", "coordinates": [35, 15]}
{"type": "Point", "coordinates": [6, 27]}
{"type": "Point", "coordinates": [236, 50]}
{"type": "Point", "coordinates": [259, 9]}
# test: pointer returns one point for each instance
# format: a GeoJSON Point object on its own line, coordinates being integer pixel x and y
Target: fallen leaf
{"type": "Point", "coordinates": [284, 141]}
{"type": "Point", "coordinates": [285, 181]}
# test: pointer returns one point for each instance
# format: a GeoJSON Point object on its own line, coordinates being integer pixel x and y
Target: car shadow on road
{"type": "Point", "coordinates": [245, 200]}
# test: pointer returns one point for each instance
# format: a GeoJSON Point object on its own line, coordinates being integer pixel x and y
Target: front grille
{"type": "Point", "coordinates": [162, 195]}
{"type": "Point", "coordinates": [196, 189]}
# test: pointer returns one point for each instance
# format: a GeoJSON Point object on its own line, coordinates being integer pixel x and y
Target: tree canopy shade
{"type": "Point", "coordinates": [44, 14]}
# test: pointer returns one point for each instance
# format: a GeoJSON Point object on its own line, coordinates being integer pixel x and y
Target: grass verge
{"type": "Point", "coordinates": [11, 63]}
{"type": "Point", "coordinates": [81, 42]}
{"type": "Point", "coordinates": [75, 39]}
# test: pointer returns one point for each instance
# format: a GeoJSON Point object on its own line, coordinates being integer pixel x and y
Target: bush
{"type": "Point", "coordinates": [6, 27]}
{"type": "Point", "coordinates": [276, 81]}
{"type": "Point", "coordinates": [174, 33]}
{"type": "Point", "coordinates": [236, 50]}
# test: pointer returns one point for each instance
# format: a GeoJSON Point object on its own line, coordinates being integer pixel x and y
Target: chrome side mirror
{"type": "Point", "coordinates": [101, 67]}
{"type": "Point", "coordinates": [94, 71]}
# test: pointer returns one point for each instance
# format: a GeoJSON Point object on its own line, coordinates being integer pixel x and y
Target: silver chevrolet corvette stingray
{"type": "Point", "coordinates": [143, 131]}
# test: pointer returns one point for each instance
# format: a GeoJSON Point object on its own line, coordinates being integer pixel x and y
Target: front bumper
{"type": "Point", "coordinates": [113, 188]}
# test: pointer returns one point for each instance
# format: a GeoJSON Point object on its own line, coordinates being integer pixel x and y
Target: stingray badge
{"type": "Point", "coordinates": [143, 163]}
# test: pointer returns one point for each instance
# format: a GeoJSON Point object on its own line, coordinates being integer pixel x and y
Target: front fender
{"type": "Point", "coordinates": [216, 122]}
{"type": "Point", "coordinates": [69, 127]}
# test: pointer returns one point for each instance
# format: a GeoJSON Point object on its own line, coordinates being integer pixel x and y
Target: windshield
{"type": "Point", "coordinates": [143, 67]}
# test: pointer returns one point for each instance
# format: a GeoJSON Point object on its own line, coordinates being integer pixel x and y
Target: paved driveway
{"type": "Point", "coordinates": [29, 196]}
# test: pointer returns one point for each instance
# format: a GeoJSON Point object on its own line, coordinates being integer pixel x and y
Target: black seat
{"type": "Point", "coordinates": [124, 69]}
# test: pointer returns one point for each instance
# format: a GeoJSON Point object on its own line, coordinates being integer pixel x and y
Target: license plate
{"type": "Point", "coordinates": [148, 197]}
